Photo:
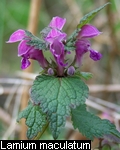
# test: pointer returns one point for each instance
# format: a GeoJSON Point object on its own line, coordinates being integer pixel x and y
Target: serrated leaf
{"type": "Point", "coordinates": [35, 119]}
{"type": "Point", "coordinates": [35, 41]}
{"type": "Point", "coordinates": [45, 32]}
{"type": "Point", "coordinates": [29, 34]}
{"type": "Point", "coordinates": [70, 43]}
{"type": "Point", "coordinates": [90, 125]}
{"type": "Point", "coordinates": [56, 97]}
{"type": "Point", "coordinates": [85, 75]}
{"type": "Point", "coordinates": [89, 16]}
{"type": "Point", "coordinates": [70, 46]}
{"type": "Point", "coordinates": [72, 37]}
{"type": "Point", "coordinates": [112, 138]}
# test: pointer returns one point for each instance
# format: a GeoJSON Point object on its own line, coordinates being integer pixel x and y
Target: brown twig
{"type": "Point", "coordinates": [32, 27]}
{"type": "Point", "coordinates": [111, 24]}
{"type": "Point", "coordinates": [6, 118]}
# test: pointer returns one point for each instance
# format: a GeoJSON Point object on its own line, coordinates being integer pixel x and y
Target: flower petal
{"type": "Point", "coordinates": [82, 47]}
{"type": "Point", "coordinates": [71, 71]}
{"type": "Point", "coordinates": [37, 54]}
{"type": "Point", "coordinates": [57, 22]}
{"type": "Point", "coordinates": [25, 63]}
{"type": "Point", "coordinates": [16, 36]}
{"type": "Point", "coordinates": [55, 34]}
{"type": "Point", "coordinates": [88, 31]}
{"type": "Point", "coordinates": [60, 61]}
{"type": "Point", "coordinates": [23, 48]}
{"type": "Point", "coordinates": [57, 48]}
{"type": "Point", "coordinates": [95, 55]}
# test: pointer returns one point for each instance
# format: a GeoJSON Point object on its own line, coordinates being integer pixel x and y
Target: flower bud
{"type": "Point", "coordinates": [50, 71]}
{"type": "Point", "coordinates": [71, 71]}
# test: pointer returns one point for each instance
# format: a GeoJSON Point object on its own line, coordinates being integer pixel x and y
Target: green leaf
{"type": "Point", "coordinates": [70, 46]}
{"type": "Point", "coordinates": [56, 97]}
{"type": "Point", "coordinates": [106, 147]}
{"type": "Point", "coordinates": [72, 37]}
{"type": "Point", "coordinates": [89, 16]}
{"type": "Point", "coordinates": [29, 34]}
{"type": "Point", "coordinates": [35, 119]}
{"type": "Point", "coordinates": [45, 32]}
{"type": "Point", "coordinates": [35, 41]}
{"type": "Point", "coordinates": [70, 43]}
{"type": "Point", "coordinates": [90, 125]}
{"type": "Point", "coordinates": [85, 75]}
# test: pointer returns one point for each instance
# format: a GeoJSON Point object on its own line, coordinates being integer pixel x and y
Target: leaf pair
{"type": "Point", "coordinates": [55, 99]}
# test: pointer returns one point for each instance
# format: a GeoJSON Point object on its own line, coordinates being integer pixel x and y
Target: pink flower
{"type": "Point", "coordinates": [26, 51]}
{"type": "Point", "coordinates": [83, 44]}
{"type": "Point", "coordinates": [57, 23]}
{"type": "Point", "coordinates": [55, 38]}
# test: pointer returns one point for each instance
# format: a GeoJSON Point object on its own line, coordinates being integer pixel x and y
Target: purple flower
{"type": "Point", "coordinates": [17, 36]}
{"type": "Point", "coordinates": [55, 38]}
{"type": "Point", "coordinates": [83, 44]}
{"type": "Point", "coordinates": [50, 71]}
{"type": "Point", "coordinates": [26, 51]}
{"type": "Point", "coordinates": [57, 22]}
{"type": "Point", "coordinates": [71, 71]}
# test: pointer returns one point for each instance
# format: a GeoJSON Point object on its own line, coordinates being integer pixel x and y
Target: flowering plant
{"type": "Point", "coordinates": [59, 91]}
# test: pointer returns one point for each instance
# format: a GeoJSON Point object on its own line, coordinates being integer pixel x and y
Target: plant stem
{"type": "Point", "coordinates": [60, 70]}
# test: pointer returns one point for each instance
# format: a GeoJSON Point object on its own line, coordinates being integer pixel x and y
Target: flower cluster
{"type": "Point", "coordinates": [26, 51]}
{"type": "Point", "coordinates": [55, 40]}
